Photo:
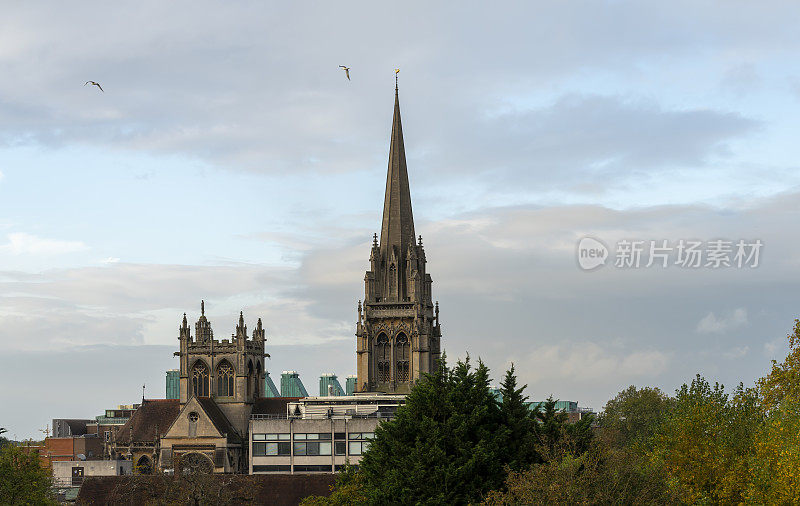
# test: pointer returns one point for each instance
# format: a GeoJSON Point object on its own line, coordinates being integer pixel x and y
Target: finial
{"type": "Point", "coordinates": [420, 240]}
{"type": "Point", "coordinates": [396, 71]}
{"type": "Point", "coordinates": [375, 240]}
{"type": "Point", "coordinates": [202, 308]}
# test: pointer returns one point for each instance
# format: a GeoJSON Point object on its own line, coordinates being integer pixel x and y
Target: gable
{"type": "Point", "coordinates": [183, 427]}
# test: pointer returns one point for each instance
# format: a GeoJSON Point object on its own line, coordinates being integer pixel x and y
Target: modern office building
{"type": "Point", "coordinates": [350, 384]}
{"type": "Point", "coordinates": [291, 386]}
{"type": "Point", "coordinates": [316, 434]}
{"type": "Point", "coordinates": [329, 385]}
{"type": "Point", "coordinates": [270, 390]}
{"type": "Point", "coordinates": [173, 389]}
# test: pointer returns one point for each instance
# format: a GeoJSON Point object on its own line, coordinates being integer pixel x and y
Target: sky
{"type": "Point", "coordinates": [229, 159]}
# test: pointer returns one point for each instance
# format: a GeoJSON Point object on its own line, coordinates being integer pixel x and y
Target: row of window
{"type": "Point", "coordinates": [325, 468]}
{"type": "Point", "coordinates": [309, 448]}
{"type": "Point", "coordinates": [310, 436]}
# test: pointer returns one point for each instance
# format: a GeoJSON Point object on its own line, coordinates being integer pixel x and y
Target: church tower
{"type": "Point", "coordinates": [398, 333]}
{"type": "Point", "coordinates": [229, 371]}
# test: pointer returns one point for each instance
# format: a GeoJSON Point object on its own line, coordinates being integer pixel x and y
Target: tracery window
{"type": "Point", "coordinates": [401, 353]}
{"type": "Point", "coordinates": [225, 380]}
{"type": "Point", "coordinates": [383, 352]}
{"type": "Point", "coordinates": [200, 380]}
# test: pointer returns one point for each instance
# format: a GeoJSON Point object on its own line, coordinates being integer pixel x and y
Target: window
{"type": "Point", "coordinates": [225, 380]}
{"type": "Point", "coordinates": [200, 379]}
{"type": "Point", "coordinates": [401, 353]}
{"type": "Point", "coordinates": [301, 436]}
{"type": "Point", "coordinates": [355, 448]}
{"type": "Point", "coordinates": [319, 468]}
{"type": "Point", "coordinates": [383, 352]}
{"type": "Point", "coordinates": [193, 418]}
{"type": "Point", "coordinates": [361, 435]}
{"type": "Point", "coordinates": [270, 437]}
{"type": "Point", "coordinates": [271, 449]}
{"type": "Point", "coordinates": [312, 448]}
{"type": "Point", "coordinates": [272, 469]}
{"type": "Point", "coordinates": [340, 447]}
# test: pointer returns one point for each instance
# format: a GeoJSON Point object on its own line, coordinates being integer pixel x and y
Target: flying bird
{"type": "Point", "coordinates": [346, 71]}
{"type": "Point", "coordinates": [94, 84]}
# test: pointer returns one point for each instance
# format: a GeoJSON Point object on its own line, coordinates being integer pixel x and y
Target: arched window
{"type": "Point", "coordinates": [401, 353]}
{"type": "Point", "coordinates": [144, 466]}
{"type": "Point", "coordinates": [225, 379]}
{"type": "Point", "coordinates": [200, 379]}
{"type": "Point", "coordinates": [383, 354]}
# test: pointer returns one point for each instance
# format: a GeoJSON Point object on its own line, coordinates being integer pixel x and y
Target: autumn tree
{"type": "Point", "coordinates": [776, 462]}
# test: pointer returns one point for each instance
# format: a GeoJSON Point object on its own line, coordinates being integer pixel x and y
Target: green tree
{"type": "Point", "coordinates": [22, 478]}
{"type": "Point", "coordinates": [442, 446]}
{"type": "Point", "coordinates": [553, 430]}
{"type": "Point", "coordinates": [634, 416]}
{"type": "Point", "coordinates": [519, 431]}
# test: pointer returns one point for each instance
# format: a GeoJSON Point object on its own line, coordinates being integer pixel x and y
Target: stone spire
{"type": "Point", "coordinates": [397, 230]}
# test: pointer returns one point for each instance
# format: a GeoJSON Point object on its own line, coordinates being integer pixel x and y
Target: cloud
{"type": "Point", "coordinates": [738, 352]}
{"type": "Point", "coordinates": [711, 324]}
{"type": "Point", "coordinates": [590, 361]}
{"type": "Point", "coordinates": [27, 244]}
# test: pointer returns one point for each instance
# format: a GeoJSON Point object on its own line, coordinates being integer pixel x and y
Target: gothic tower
{"type": "Point", "coordinates": [398, 333]}
{"type": "Point", "coordinates": [230, 371]}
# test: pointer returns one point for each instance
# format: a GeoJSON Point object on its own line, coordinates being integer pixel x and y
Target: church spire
{"type": "Point", "coordinates": [397, 230]}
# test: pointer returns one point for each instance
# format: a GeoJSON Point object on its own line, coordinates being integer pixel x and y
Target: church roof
{"type": "Point", "coordinates": [272, 405]}
{"type": "Point", "coordinates": [150, 421]}
{"type": "Point", "coordinates": [217, 417]}
{"type": "Point", "coordinates": [397, 229]}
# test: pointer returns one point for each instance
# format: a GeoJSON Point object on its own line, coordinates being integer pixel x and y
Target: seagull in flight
{"type": "Point", "coordinates": [94, 84]}
{"type": "Point", "coordinates": [346, 71]}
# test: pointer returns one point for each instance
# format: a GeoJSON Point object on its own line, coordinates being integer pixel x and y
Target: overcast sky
{"type": "Point", "coordinates": [229, 159]}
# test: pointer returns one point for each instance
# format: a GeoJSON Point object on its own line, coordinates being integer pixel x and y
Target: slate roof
{"type": "Point", "coordinates": [153, 418]}
{"type": "Point", "coordinates": [218, 418]}
{"type": "Point", "coordinates": [272, 405]}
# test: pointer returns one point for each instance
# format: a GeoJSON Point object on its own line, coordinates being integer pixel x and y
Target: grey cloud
{"type": "Point", "coordinates": [509, 287]}
{"type": "Point", "coordinates": [257, 86]}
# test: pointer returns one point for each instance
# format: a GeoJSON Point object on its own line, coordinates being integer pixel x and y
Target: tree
{"type": "Point", "coordinates": [520, 429]}
{"type": "Point", "coordinates": [776, 464]}
{"type": "Point", "coordinates": [706, 442]}
{"type": "Point", "coordinates": [600, 475]}
{"type": "Point", "coordinates": [22, 478]}
{"type": "Point", "coordinates": [442, 446]}
{"type": "Point", "coordinates": [634, 416]}
{"type": "Point", "coordinates": [347, 491]}
{"type": "Point", "coordinates": [553, 430]}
